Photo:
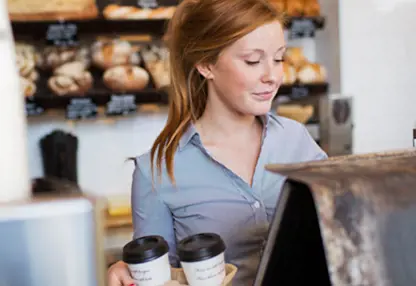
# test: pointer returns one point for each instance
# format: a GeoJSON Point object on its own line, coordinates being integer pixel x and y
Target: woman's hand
{"type": "Point", "coordinates": [119, 275]}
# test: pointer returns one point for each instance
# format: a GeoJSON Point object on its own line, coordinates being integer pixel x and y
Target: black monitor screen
{"type": "Point", "coordinates": [294, 253]}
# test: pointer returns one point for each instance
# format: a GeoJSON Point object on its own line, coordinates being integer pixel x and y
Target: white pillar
{"type": "Point", "coordinates": [14, 175]}
{"type": "Point", "coordinates": [378, 67]}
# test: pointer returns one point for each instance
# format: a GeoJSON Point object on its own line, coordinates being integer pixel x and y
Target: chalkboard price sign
{"type": "Point", "coordinates": [302, 28]}
{"type": "Point", "coordinates": [33, 109]}
{"type": "Point", "coordinates": [299, 91]}
{"type": "Point", "coordinates": [81, 108]}
{"type": "Point", "coordinates": [121, 105]}
{"type": "Point", "coordinates": [62, 34]}
{"type": "Point", "coordinates": [148, 4]}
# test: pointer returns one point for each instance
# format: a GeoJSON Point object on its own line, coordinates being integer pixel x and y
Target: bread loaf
{"type": "Point", "coordinates": [312, 8]}
{"type": "Point", "coordinates": [280, 5]}
{"type": "Point", "coordinates": [156, 60]}
{"type": "Point", "coordinates": [28, 87]}
{"type": "Point", "coordinates": [289, 74]}
{"type": "Point", "coordinates": [126, 78]}
{"type": "Point", "coordinates": [64, 85]}
{"type": "Point", "coordinates": [25, 59]}
{"type": "Point", "coordinates": [162, 12]}
{"type": "Point", "coordinates": [25, 64]}
{"type": "Point", "coordinates": [107, 54]}
{"type": "Point", "coordinates": [33, 76]}
{"type": "Point", "coordinates": [72, 69]}
{"type": "Point", "coordinates": [26, 10]}
{"type": "Point", "coordinates": [25, 50]}
{"type": "Point", "coordinates": [134, 13]}
{"type": "Point", "coordinates": [312, 73]}
{"type": "Point", "coordinates": [118, 12]}
{"type": "Point", "coordinates": [53, 57]}
{"type": "Point", "coordinates": [295, 57]}
{"type": "Point", "coordinates": [295, 8]}
{"type": "Point", "coordinates": [296, 112]}
{"type": "Point", "coordinates": [71, 79]}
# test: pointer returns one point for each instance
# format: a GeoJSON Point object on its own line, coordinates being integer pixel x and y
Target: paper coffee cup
{"type": "Point", "coordinates": [148, 260]}
{"type": "Point", "coordinates": [202, 259]}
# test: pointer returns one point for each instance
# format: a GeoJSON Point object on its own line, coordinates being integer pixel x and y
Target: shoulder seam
{"type": "Point", "coordinates": [149, 180]}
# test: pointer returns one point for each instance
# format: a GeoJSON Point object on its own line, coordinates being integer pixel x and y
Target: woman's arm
{"type": "Point", "coordinates": [151, 216]}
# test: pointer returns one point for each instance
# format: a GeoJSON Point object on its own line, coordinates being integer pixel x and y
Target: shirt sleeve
{"type": "Point", "coordinates": [151, 216]}
{"type": "Point", "coordinates": [310, 149]}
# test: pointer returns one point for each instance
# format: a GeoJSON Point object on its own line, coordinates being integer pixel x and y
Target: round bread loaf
{"type": "Point", "coordinates": [289, 74]}
{"type": "Point", "coordinates": [312, 8]}
{"type": "Point", "coordinates": [108, 54]}
{"type": "Point", "coordinates": [280, 5]}
{"type": "Point", "coordinates": [71, 69]}
{"type": "Point", "coordinates": [28, 87]}
{"type": "Point", "coordinates": [52, 57]}
{"type": "Point", "coordinates": [295, 57]}
{"type": "Point", "coordinates": [294, 8]}
{"type": "Point", "coordinates": [312, 73]}
{"type": "Point", "coordinates": [66, 85]}
{"type": "Point", "coordinates": [25, 64]}
{"type": "Point", "coordinates": [126, 78]}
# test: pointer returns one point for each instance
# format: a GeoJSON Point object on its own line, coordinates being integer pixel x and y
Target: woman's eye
{"type": "Point", "coordinates": [252, 63]}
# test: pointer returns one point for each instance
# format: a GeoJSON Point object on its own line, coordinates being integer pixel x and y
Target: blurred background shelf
{"type": "Point", "coordinates": [59, 102]}
{"type": "Point", "coordinates": [297, 91]}
{"type": "Point", "coordinates": [36, 29]}
{"type": "Point", "coordinates": [128, 102]}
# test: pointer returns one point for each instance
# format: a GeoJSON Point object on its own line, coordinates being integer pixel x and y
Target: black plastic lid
{"type": "Point", "coordinates": [145, 249]}
{"type": "Point", "coordinates": [200, 247]}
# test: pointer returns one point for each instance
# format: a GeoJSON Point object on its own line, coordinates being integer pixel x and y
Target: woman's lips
{"type": "Point", "coordinates": [267, 95]}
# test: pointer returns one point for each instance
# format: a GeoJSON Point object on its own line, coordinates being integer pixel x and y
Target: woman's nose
{"type": "Point", "coordinates": [270, 73]}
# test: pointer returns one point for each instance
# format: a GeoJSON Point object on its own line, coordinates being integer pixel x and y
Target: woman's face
{"type": "Point", "coordinates": [248, 73]}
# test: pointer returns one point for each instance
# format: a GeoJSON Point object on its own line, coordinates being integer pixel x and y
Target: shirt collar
{"type": "Point", "coordinates": [191, 131]}
{"type": "Point", "coordinates": [187, 136]}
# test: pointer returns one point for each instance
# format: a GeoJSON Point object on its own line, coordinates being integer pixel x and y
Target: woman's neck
{"type": "Point", "coordinates": [222, 122]}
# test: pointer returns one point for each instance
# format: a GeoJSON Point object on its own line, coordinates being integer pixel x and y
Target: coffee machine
{"type": "Point", "coordinates": [336, 124]}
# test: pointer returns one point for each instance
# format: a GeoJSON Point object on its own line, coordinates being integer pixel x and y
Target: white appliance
{"type": "Point", "coordinates": [52, 242]}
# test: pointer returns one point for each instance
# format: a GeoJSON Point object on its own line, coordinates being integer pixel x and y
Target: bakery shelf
{"type": "Point", "coordinates": [298, 91]}
{"type": "Point", "coordinates": [318, 22]}
{"type": "Point", "coordinates": [85, 106]}
{"type": "Point", "coordinates": [36, 29]}
{"type": "Point", "coordinates": [57, 102]}
{"type": "Point", "coordinates": [38, 104]}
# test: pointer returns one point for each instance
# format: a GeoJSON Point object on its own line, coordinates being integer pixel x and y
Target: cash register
{"type": "Point", "coordinates": [365, 232]}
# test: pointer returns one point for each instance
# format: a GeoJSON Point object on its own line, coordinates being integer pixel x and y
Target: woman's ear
{"type": "Point", "coordinates": [205, 70]}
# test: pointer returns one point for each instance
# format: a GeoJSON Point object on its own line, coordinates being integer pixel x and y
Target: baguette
{"type": "Point", "coordinates": [43, 10]}
{"type": "Point", "coordinates": [135, 13]}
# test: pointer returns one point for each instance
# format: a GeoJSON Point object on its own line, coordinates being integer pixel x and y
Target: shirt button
{"type": "Point", "coordinates": [256, 205]}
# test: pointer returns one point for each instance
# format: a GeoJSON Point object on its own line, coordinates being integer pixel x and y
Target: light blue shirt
{"type": "Point", "coordinates": [208, 197]}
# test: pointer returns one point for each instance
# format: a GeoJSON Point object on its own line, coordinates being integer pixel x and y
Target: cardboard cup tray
{"type": "Point", "coordinates": [179, 275]}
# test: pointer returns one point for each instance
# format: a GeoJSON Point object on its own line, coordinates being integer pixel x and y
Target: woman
{"type": "Point", "coordinates": [205, 172]}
